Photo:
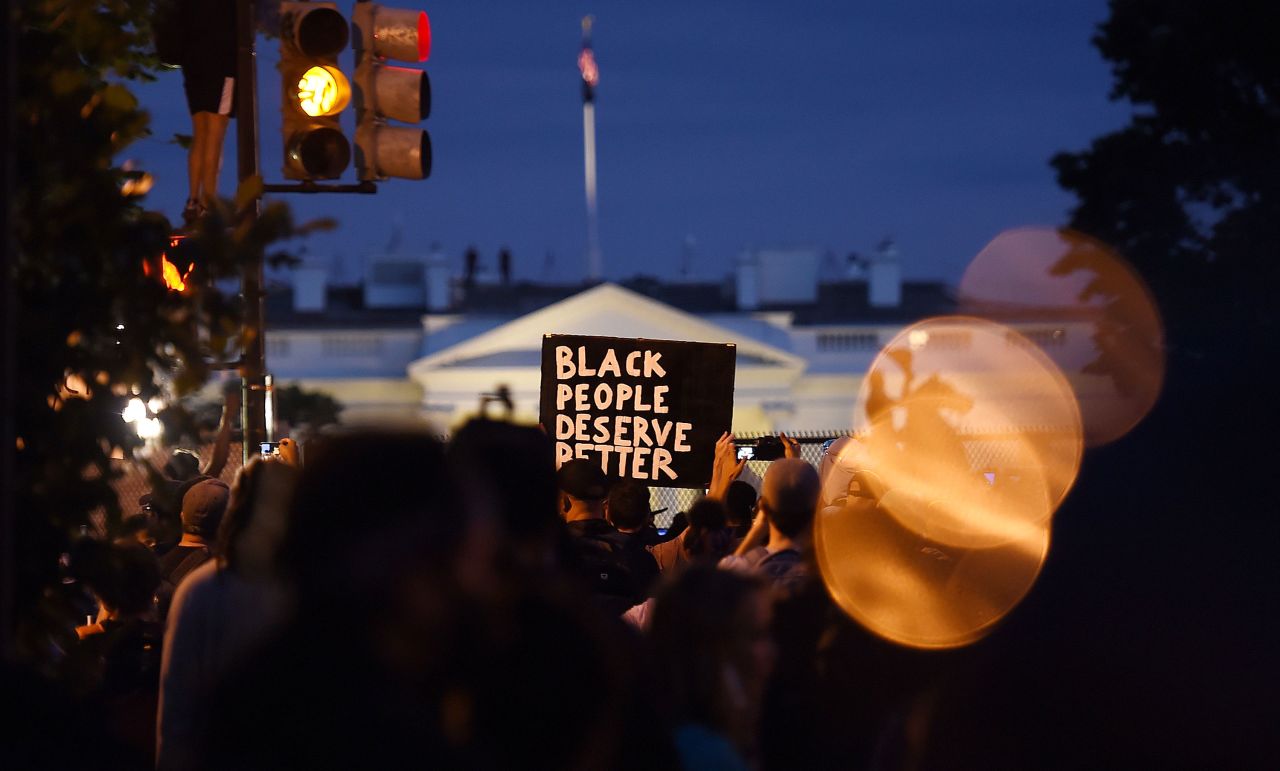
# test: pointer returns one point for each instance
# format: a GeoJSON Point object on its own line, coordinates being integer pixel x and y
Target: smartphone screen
{"type": "Point", "coordinates": [990, 476]}
{"type": "Point", "coordinates": [267, 448]}
{"type": "Point", "coordinates": [746, 453]}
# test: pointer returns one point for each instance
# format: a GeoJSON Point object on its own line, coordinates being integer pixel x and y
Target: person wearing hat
{"type": "Point", "coordinates": [202, 510]}
{"type": "Point", "coordinates": [597, 553]}
{"type": "Point", "coordinates": [181, 470]}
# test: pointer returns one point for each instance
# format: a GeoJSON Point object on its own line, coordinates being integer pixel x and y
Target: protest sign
{"type": "Point", "coordinates": [649, 410]}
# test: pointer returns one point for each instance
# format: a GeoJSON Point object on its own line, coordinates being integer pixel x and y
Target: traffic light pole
{"type": "Point", "coordinates": [253, 361]}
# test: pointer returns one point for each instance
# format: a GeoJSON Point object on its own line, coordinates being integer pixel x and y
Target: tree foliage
{"type": "Point", "coordinates": [1190, 189]}
{"type": "Point", "coordinates": [94, 331]}
{"type": "Point", "coordinates": [1166, 524]}
{"type": "Point", "coordinates": [307, 410]}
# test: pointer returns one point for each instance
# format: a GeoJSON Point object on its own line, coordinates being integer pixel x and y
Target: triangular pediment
{"type": "Point", "coordinates": [606, 310]}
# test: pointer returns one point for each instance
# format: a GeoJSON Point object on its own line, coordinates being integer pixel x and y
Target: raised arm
{"type": "Point", "coordinates": [726, 468]}
{"type": "Point", "coordinates": [222, 443]}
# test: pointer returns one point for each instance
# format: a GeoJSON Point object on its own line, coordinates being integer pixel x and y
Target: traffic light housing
{"type": "Point", "coordinates": [384, 92]}
{"type": "Point", "coordinates": [315, 90]}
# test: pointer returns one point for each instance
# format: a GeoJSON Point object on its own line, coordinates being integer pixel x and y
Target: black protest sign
{"type": "Point", "coordinates": [649, 410]}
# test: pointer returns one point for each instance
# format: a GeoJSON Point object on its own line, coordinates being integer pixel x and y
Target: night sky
{"type": "Point", "coordinates": [738, 123]}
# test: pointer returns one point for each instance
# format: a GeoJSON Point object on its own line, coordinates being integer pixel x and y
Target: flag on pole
{"type": "Point", "coordinates": [587, 64]}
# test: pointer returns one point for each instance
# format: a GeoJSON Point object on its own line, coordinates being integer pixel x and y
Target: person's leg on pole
{"type": "Point", "coordinates": [211, 159]}
{"type": "Point", "coordinates": [193, 165]}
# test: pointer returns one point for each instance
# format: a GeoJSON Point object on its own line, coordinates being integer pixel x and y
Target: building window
{"type": "Point", "coordinates": [848, 341]}
{"type": "Point", "coordinates": [351, 347]}
{"type": "Point", "coordinates": [277, 347]}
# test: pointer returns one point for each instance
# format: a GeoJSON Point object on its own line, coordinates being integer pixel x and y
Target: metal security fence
{"type": "Point", "coordinates": [985, 450]}
{"type": "Point", "coordinates": [678, 499]}
{"type": "Point", "coordinates": [133, 481]}
{"type": "Point", "coordinates": [1004, 449]}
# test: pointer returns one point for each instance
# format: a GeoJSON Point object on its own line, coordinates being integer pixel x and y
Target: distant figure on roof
{"type": "Point", "coordinates": [504, 265]}
{"type": "Point", "coordinates": [471, 261]}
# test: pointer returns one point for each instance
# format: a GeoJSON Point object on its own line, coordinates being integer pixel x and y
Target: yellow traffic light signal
{"type": "Point", "coordinates": [323, 91]}
{"type": "Point", "coordinates": [315, 90]}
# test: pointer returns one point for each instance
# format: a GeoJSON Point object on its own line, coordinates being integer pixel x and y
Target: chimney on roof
{"type": "Point", "coordinates": [747, 289]}
{"type": "Point", "coordinates": [885, 277]}
{"type": "Point", "coordinates": [310, 285]}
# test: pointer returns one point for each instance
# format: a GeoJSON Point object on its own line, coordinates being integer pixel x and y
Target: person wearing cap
{"type": "Point", "coordinates": [180, 472]}
{"type": "Point", "coordinates": [597, 554]}
{"type": "Point", "coordinates": [202, 510]}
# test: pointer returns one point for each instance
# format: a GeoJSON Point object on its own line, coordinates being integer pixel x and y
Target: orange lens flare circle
{"type": "Point", "coordinates": [954, 407]}
{"type": "Point", "coordinates": [917, 592]}
{"type": "Point", "coordinates": [968, 437]}
{"type": "Point", "coordinates": [1089, 311]}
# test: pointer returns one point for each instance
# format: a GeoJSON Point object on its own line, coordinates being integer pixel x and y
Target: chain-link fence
{"type": "Point", "coordinates": [1006, 451]}
{"type": "Point", "coordinates": [669, 501]}
{"type": "Point", "coordinates": [985, 450]}
{"type": "Point", "coordinates": [134, 482]}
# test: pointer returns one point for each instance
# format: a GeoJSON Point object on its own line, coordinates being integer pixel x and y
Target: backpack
{"type": "Point", "coordinates": [601, 561]}
{"type": "Point", "coordinates": [169, 583]}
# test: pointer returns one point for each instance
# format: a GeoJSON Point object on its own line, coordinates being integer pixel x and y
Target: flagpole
{"type": "Point", "coordinates": [590, 77]}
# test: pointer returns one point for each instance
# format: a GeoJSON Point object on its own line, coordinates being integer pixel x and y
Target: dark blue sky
{"type": "Point", "coordinates": [825, 123]}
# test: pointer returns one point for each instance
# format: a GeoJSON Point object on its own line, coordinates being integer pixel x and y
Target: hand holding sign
{"type": "Point", "coordinates": [646, 409]}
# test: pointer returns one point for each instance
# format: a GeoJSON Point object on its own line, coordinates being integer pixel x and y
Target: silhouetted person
{"type": "Point", "coordinates": [471, 262]}
{"type": "Point", "coordinates": [740, 507]}
{"type": "Point", "coordinates": [180, 471]}
{"type": "Point", "coordinates": [707, 538]}
{"type": "Point", "coordinates": [202, 510]}
{"type": "Point", "coordinates": [598, 555]}
{"type": "Point", "coordinates": [117, 662]}
{"type": "Point", "coordinates": [712, 645]}
{"type": "Point", "coordinates": [504, 265]}
{"type": "Point", "coordinates": [223, 608]}
{"type": "Point", "coordinates": [779, 544]}
{"type": "Point", "coordinates": [627, 509]}
{"type": "Point", "coordinates": [209, 80]}
{"type": "Point", "coordinates": [410, 641]}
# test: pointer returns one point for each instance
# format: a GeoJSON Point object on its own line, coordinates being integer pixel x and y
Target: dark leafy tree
{"type": "Point", "coordinates": [1190, 189]}
{"type": "Point", "coordinates": [1166, 523]}
{"type": "Point", "coordinates": [94, 330]}
{"type": "Point", "coordinates": [303, 409]}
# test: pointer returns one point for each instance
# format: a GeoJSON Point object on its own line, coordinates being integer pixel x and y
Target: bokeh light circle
{"type": "Point", "coordinates": [915, 591]}
{"type": "Point", "coordinates": [967, 439]}
{"type": "Point", "coordinates": [1086, 308]}
{"type": "Point", "coordinates": [973, 420]}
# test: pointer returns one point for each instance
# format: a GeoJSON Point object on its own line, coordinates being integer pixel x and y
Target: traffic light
{"type": "Point", "coordinates": [315, 90]}
{"type": "Point", "coordinates": [384, 92]}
